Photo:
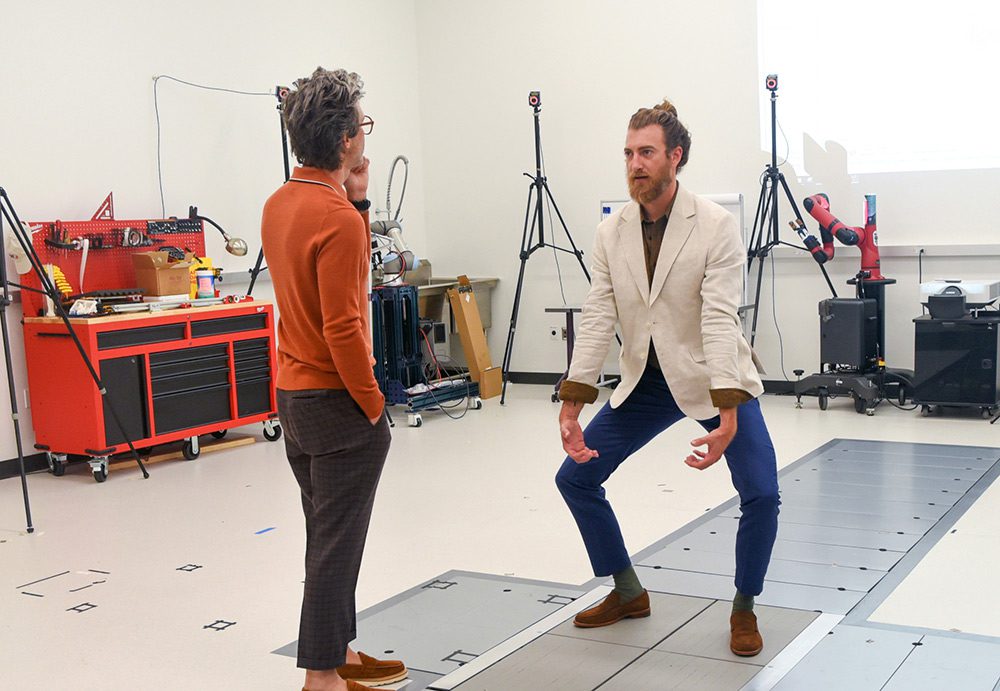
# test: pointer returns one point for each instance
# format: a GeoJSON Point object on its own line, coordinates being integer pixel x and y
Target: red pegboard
{"type": "Point", "coordinates": [108, 267]}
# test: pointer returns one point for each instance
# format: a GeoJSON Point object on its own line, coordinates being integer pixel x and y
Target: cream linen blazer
{"type": "Point", "coordinates": [689, 312]}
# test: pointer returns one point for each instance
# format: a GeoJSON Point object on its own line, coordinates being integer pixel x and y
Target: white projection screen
{"type": "Point", "coordinates": [894, 98]}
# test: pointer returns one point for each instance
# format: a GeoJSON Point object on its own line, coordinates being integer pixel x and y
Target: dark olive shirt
{"type": "Point", "coordinates": [652, 239]}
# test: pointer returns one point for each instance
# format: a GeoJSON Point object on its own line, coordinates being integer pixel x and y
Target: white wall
{"type": "Point", "coordinates": [447, 84]}
{"type": "Point", "coordinates": [77, 116]}
{"type": "Point", "coordinates": [595, 63]}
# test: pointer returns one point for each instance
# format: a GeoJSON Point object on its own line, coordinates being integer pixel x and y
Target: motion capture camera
{"type": "Point", "coordinates": [535, 99]}
{"type": "Point", "coordinates": [281, 93]}
{"type": "Point", "coordinates": [771, 82]}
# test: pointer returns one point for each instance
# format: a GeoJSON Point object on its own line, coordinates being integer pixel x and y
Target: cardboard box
{"type": "Point", "coordinates": [156, 276]}
{"type": "Point", "coordinates": [470, 329]}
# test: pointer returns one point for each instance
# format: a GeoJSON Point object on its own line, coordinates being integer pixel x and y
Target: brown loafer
{"type": "Point", "coordinates": [745, 639]}
{"type": "Point", "coordinates": [613, 610]}
{"type": "Point", "coordinates": [372, 672]}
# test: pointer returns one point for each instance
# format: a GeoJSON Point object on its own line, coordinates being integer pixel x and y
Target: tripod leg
{"type": "Point", "coordinates": [8, 212]}
{"type": "Point", "coordinates": [15, 418]}
{"type": "Point", "coordinates": [528, 234]}
{"type": "Point", "coordinates": [255, 271]}
{"type": "Point", "coordinates": [576, 252]}
{"type": "Point", "coordinates": [798, 216]}
{"type": "Point", "coordinates": [758, 225]}
{"type": "Point", "coordinates": [768, 217]}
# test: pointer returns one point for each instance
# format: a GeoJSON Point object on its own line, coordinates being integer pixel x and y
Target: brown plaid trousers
{"type": "Point", "coordinates": [337, 456]}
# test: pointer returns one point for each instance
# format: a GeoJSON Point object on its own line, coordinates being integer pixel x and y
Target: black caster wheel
{"type": "Point", "coordinates": [860, 405]}
{"type": "Point", "coordinates": [824, 399]}
{"type": "Point", "coordinates": [59, 468]}
{"type": "Point", "coordinates": [101, 474]}
{"type": "Point", "coordinates": [274, 434]}
{"type": "Point", "coordinates": [478, 404]}
{"type": "Point", "coordinates": [189, 451]}
{"type": "Point", "coordinates": [221, 434]}
{"type": "Point", "coordinates": [925, 410]}
{"type": "Point", "coordinates": [902, 395]}
{"type": "Point", "coordinates": [555, 398]}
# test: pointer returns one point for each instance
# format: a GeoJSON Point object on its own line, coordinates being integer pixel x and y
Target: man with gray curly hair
{"type": "Point", "coordinates": [317, 241]}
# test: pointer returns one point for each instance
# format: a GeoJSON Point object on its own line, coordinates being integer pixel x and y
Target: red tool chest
{"type": "Point", "coordinates": [171, 375]}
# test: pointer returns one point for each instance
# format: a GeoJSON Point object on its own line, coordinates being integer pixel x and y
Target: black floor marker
{"type": "Point", "coordinates": [460, 657]}
{"type": "Point", "coordinates": [438, 585]}
{"type": "Point", "coordinates": [219, 625]}
{"type": "Point", "coordinates": [47, 578]}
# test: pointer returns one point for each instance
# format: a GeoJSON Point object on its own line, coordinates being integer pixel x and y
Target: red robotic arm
{"type": "Point", "coordinates": [831, 227]}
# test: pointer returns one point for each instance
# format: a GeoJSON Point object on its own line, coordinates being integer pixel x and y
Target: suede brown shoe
{"type": "Point", "coordinates": [613, 610]}
{"type": "Point", "coordinates": [372, 672]}
{"type": "Point", "coordinates": [745, 639]}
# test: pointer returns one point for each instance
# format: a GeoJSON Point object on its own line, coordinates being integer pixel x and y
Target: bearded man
{"type": "Point", "coordinates": [667, 269]}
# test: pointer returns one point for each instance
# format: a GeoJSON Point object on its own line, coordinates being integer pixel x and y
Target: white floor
{"type": "Point", "coordinates": [473, 494]}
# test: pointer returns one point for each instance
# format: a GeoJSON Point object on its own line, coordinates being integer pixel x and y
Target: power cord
{"type": "Point", "coordinates": [467, 399]}
{"type": "Point", "coordinates": [774, 317]}
{"type": "Point", "coordinates": [548, 208]}
{"type": "Point", "coordinates": [156, 110]}
{"type": "Point", "coordinates": [388, 189]}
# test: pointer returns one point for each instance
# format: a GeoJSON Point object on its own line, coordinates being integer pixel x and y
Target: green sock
{"type": "Point", "coordinates": [627, 585]}
{"type": "Point", "coordinates": [742, 603]}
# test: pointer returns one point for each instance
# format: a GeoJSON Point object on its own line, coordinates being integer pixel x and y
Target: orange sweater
{"type": "Point", "coordinates": [318, 249]}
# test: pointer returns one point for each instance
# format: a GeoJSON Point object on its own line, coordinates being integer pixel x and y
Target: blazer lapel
{"type": "Point", "coordinates": [678, 231]}
{"type": "Point", "coordinates": [630, 238]}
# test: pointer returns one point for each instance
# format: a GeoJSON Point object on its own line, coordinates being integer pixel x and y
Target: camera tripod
{"type": "Point", "coordinates": [9, 214]}
{"type": "Point", "coordinates": [539, 193]}
{"type": "Point", "coordinates": [764, 236]}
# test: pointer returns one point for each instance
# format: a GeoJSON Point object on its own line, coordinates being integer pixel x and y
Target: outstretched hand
{"type": "Point", "coordinates": [572, 434]}
{"type": "Point", "coordinates": [717, 442]}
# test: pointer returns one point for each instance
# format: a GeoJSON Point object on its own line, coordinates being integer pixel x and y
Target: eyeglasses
{"type": "Point", "coordinates": [367, 125]}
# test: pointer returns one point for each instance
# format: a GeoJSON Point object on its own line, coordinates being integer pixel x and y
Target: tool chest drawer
{"type": "Point", "coordinates": [123, 338]}
{"type": "Point", "coordinates": [170, 375]}
{"type": "Point", "coordinates": [225, 325]}
{"type": "Point", "coordinates": [188, 360]}
{"type": "Point", "coordinates": [188, 409]}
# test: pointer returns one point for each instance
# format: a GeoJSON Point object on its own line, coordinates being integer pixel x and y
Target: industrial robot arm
{"type": "Point", "coordinates": [831, 227]}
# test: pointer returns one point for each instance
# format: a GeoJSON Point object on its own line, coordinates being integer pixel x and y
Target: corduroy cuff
{"type": "Point", "coordinates": [729, 398]}
{"type": "Point", "coordinates": [577, 392]}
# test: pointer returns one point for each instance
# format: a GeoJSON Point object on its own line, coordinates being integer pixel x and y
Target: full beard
{"type": "Point", "coordinates": [645, 190]}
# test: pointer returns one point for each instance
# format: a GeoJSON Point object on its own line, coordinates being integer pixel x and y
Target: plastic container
{"type": "Point", "coordinates": [205, 279]}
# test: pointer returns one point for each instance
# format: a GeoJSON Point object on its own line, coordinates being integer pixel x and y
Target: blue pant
{"type": "Point", "coordinates": [616, 433]}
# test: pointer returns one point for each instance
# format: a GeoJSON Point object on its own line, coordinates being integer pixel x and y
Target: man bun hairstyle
{"type": "Point", "coordinates": [318, 112]}
{"type": "Point", "coordinates": [674, 132]}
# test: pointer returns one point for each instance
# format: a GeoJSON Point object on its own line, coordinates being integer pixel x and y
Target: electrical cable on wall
{"type": "Point", "coordinates": [156, 110]}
